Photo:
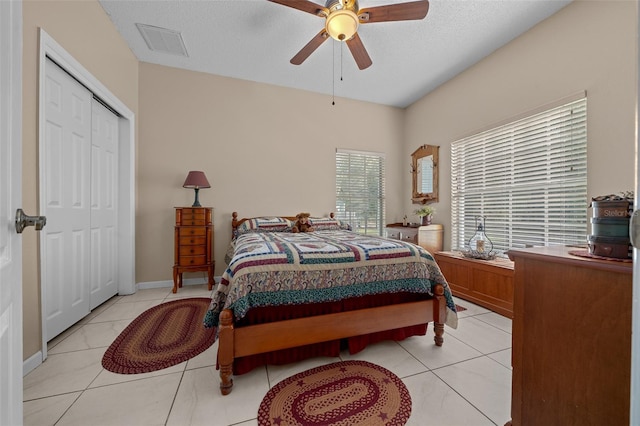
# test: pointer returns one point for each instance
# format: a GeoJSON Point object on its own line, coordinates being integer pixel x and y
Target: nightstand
{"type": "Point", "coordinates": [193, 237]}
{"type": "Point", "coordinates": [428, 237]}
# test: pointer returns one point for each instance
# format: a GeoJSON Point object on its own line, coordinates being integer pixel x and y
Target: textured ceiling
{"type": "Point", "coordinates": [255, 39]}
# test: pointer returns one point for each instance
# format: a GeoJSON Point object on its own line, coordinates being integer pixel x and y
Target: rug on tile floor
{"type": "Point", "coordinates": [342, 393]}
{"type": "Point", "coordinates": [460, 308]}
{"type": "Point", "coordinates": [162, 336]}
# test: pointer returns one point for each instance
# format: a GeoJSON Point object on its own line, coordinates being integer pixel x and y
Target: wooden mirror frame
{"type": "Point", "coordinates": [422, 197]}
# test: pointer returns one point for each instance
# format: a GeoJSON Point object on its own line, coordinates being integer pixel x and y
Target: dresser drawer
{"type": "Point", "coordinates": [409, 237]}
{"type": "Point", "coordinates": [393, 233]}
{"type": "Point", "coordinates": [402, 233]}
{"type": "Point", "coordinates": [192, 232]}
{"type": "Point", "coordinates": [193, 241]}
{"type": "Point", "coordinates": [192, 221]}
{"type": "Point", "coordinates": [193, 250]}
{"type": "Point", "coordinates": [191, 217]}
{"type": "Point", "coordinates": [193, 211]}
{"type": "Point", "coordinates": [192, 260]}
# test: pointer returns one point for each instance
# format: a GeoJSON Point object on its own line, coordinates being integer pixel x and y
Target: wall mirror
{"type": "Point", "coordinates": [424, 171]}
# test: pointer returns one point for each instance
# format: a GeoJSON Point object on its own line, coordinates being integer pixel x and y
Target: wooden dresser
{"type": "Point", "coordinates": [488, 283]}
{"type": "Point", "coordinates": [571, 354]}
{"type": "Point", "coordinates": [429, 237]}
{"type": "Point", "coordinates": [193, 249]}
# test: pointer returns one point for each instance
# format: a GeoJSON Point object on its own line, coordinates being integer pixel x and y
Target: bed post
{"type": "Point", "coordinates": [439, 312]}
{"type": "Point", "coordinates": [225, 351]}
{"type": "Point", "coordinates": [234, 221]}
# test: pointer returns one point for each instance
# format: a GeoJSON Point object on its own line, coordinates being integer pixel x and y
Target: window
{"type": "Point", "coordinates": [527, 178]}
{"type": "Point", "coordinates": [360, 190]}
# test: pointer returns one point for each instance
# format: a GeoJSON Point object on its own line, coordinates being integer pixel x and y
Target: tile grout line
{"type": "Point", "coordinates": [175, 395]}
{"type": "Point", "coordinates": [461, 396]}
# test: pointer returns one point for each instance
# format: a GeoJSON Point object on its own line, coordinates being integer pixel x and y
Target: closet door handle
{"type": "Point", "coordinates": [22, 221]}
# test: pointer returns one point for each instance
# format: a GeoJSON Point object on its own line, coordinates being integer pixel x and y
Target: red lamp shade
{"type": "Point", "coordinates": [196, 180]}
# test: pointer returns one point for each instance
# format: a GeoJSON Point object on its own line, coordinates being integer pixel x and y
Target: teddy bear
{"type": "Point", "coordinates": [302, 224]}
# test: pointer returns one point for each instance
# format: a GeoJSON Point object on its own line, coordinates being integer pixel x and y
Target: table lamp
{"type": "Point", "coordinates": [196, 180]}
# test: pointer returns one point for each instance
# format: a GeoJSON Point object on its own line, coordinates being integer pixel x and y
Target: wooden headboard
{"type": "Point", "coordinates": [235, 222]}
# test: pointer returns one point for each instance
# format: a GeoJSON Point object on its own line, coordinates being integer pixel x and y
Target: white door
{"type": "Point", "coordinates": [104, 187]}
{"type": "Point", "coordinates": [10, 200]}
{"type": "Point", "coordinates": [66, 175]}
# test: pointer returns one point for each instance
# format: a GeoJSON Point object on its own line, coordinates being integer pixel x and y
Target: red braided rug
{"type": "Point", "coordinates": [344, 393]}
{"type": "Point", "coordinates": [160, 337]}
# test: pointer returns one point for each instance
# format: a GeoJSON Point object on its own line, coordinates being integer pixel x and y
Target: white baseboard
{"type": "Point", "coordinates": [169, 283]}
{"type": "Point", "coordinates": [31, 363]}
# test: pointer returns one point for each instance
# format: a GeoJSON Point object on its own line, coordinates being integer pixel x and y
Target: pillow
{"type": "Point", "coordinates": [264, 224]}
{"type": "Point", "coordinates": [328, 224]}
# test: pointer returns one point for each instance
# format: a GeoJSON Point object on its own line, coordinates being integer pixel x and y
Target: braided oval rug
{"type": "Point", "coordinates": [342, 393]}
{"type": "Point", "coordinates": [162, 336]}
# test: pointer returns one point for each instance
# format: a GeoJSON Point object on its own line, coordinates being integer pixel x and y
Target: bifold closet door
{"type": "Point", "coordinates": [104, 187]}
{"type": "Point", "coordinates": [65, 167]}
{"type": "Point", "coordinates": [79, 166]}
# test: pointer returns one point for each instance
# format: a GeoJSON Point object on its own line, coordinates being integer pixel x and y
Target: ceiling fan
{"type": "Point", "coordinates": [341, 23]}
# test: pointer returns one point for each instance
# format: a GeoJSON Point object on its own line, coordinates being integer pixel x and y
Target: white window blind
{"type": "Point", "coordinates": [528, 178]}
{"type": "Point", "coordinates": [360, 190]}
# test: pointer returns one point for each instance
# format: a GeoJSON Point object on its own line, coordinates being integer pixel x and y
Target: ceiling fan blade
{"type": "Point", "coordinates": [305, 6]}
{"type": "Point", "coordinates": [359, 52]}
{"type": "Point", "coordinates": [310, 47]}
{"type": "Point", "coordinates": [394, 12]}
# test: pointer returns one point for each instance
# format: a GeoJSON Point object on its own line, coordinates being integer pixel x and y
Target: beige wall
{"type": "Point", "coordinates": [587, 46]}
{"type": "Point", "coordinates": [266, 150]}
{"type": "Point", "coordinates": [86, 32]}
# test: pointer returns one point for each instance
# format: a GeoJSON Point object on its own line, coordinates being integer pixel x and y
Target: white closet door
{"type": "Point", "coordinates": [66, 176]}
{"type": "Point", "coordinates": [104, 186]}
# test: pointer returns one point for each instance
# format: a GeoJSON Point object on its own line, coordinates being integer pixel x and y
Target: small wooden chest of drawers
{"type": "Point", "coordinates": [429, 236]}
{"type": "Point", "coordinates": [193, 239]}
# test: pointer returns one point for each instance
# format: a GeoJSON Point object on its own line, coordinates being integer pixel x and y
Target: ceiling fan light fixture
{"type": "Point", "coordinates": [342, 24]}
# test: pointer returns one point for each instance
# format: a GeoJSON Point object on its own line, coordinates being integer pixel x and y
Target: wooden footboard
{"type": "Point", "coordinates": [260, 338]}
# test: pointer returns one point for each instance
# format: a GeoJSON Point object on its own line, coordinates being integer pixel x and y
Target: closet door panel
{"type": "Point", "coordinates": [66, 172]}
{"type": "Point", "coordinates": [104, 173]}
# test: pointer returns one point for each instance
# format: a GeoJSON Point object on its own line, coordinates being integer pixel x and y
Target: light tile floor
{"type": "Point", "coordinates": [467, 381]}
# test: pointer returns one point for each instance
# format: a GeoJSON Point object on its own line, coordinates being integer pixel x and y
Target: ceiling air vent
{"type": "Point", "coordinates": [163, 40]}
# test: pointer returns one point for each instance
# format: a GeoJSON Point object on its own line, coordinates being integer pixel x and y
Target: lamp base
{"type": "Point", "coordinates": [196, 202]}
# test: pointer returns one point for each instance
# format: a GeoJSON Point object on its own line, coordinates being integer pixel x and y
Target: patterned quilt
{"type": "Point", "coordinates": [282, 268]}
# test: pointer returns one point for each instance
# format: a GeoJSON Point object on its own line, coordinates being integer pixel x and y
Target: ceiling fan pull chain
{"type": "Point", "coordinates": [341, 50]}
{"type": "Point", "coordinates": [333, 73]}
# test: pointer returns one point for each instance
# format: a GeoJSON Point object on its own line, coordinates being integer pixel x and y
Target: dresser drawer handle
{"type": "Point", "coordinates": [193, 241]}
{"type": "Point", "coordinates": [192, 250]}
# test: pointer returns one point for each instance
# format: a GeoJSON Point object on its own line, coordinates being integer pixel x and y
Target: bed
{"type": "Point", "coordinates": [289, 296]}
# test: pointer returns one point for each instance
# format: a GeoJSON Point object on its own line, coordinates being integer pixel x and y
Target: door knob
{"type": "Point", "coordinates": [22, 221]}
